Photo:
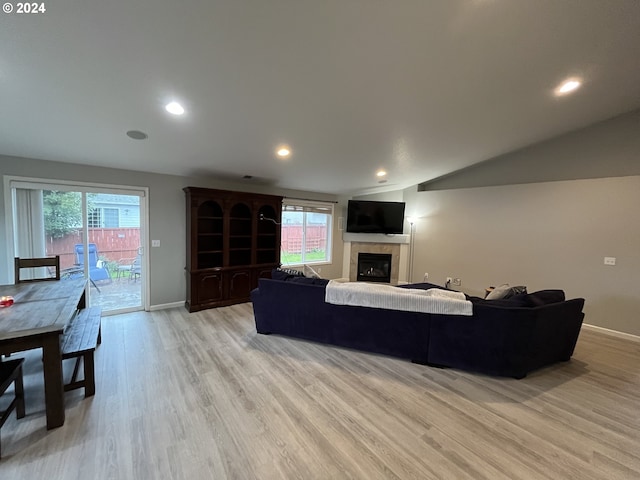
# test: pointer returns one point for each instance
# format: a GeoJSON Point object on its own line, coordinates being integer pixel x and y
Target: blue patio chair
{"type": "Point", "coordinates": [97, 271]}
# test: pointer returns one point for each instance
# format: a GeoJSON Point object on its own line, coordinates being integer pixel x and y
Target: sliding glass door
{"type": "Point", "coordinates": [98, 232]}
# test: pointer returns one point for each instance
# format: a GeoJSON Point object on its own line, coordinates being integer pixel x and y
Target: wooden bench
{"type": "Point", "coordinates": [79, 341]}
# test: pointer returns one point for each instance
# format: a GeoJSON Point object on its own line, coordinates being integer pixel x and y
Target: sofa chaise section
{"type": "Point", "coordinates": [506, 340]}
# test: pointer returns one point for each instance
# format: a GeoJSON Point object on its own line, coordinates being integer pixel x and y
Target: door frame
{"type": "Point", "coordinates": [86, 187]}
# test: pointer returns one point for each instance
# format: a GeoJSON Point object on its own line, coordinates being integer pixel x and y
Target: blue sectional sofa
{"type": "Point", "coordinates": [503, 337]}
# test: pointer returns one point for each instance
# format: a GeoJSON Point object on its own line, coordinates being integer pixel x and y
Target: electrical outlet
{"type": "Point", "coordinates": [457, 282]}
{"type": "Point", "coordinates": [426, 276]}
{"type": "Point", "coordinates": [609, 260]}
{"type": "Point", "coordinates": [155, 243]}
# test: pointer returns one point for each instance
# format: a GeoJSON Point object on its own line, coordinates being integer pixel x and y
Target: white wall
{"type": "Point", "coordinates": [544, 235]}
{"type": "Point", "coordinates": [545, 217]}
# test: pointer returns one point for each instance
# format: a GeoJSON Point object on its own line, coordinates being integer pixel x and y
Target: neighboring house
{"type": "Point", "coordinates": [114, 211]}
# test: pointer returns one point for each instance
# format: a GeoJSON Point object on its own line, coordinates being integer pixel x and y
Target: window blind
{"type": "Point", "coordinates": [307, 206]}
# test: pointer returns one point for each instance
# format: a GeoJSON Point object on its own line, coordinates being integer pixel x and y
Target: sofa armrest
{"type": "Point", "coordinates": [279, 305]}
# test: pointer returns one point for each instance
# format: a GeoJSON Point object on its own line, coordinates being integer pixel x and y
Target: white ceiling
{"type": "Point", "coordinates": [420, 88]}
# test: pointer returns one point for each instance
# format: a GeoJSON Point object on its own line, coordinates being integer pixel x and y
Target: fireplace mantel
{"type": "Point", "coordinates": [375, 238]}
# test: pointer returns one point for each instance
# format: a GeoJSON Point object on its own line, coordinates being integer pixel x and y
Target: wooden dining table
{"type": "Point", "coordinates": [37, 318]}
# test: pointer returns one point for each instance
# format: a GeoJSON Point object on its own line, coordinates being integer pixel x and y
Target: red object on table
{"type": "Point", "coordinates": [6, 301]}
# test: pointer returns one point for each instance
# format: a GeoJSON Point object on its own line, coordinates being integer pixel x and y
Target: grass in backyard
{"type": "Point", "coordinates": [296, 258]}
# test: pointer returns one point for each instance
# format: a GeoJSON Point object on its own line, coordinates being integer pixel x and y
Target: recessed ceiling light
{"type": "Point", "coordinates": [137, 135]}
{"type": "Point", "coordinates": [381, 173]}
{"type": "Point", "coordinates": [568, 86]}
{"type": "Point", "coordinates": [174, 108]}
{"type": "Point", "coordinates": [283, 151]}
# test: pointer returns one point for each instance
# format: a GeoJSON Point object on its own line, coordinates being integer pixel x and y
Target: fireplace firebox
{"type": "Point", "coordinates": [374, 267]}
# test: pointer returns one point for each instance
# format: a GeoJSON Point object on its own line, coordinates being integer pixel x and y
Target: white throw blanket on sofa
{"type": "Point", "coordinates": [389, 297]}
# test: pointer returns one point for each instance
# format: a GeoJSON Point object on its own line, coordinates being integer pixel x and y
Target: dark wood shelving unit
{"type": "Point", "coordinates": [232, 241]}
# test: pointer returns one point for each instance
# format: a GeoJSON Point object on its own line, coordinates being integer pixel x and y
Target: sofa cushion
{"type": "Point", "coordinates": [526, 300]}
{"type": "Point", "coordinates": [285, 273]}
{"type": "Point", "coordinates": [519, 300]}
{"type": "Point", "coordinates": [310, 272]}
{"type": "Point", "coordinates": [308, 280]}
{"type": "Point", "coordinates": [544, 297]}
{"type": "Point", "coordinates": [505, 291]}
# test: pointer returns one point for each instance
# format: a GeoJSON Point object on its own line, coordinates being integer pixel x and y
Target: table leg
{"type": "Point", "coordinates": [53, 382]}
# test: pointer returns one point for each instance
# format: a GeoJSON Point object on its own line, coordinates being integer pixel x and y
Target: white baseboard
{"type": "Point", "coordinates": [164, 306]}
{"type": "Point", "coordinates": [613, 333]}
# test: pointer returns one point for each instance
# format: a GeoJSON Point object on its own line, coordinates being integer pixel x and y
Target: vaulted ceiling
{"type": "Point", "coordinates": [417, 88]}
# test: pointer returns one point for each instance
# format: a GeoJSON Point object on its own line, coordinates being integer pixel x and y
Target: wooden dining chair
{"type": "Point", "coordinates": [11, 372]}
{"type": "Point", "coordinates": [48, 262]}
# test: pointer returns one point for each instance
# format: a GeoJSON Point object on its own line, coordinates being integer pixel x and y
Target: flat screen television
{"type": "Point", "coordinates": [366, 216]}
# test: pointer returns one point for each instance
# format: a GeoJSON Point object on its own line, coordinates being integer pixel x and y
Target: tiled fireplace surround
{"type": "Point", "coordinates": [388, 248]}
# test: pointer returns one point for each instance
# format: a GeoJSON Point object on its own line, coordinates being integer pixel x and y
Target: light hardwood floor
{"type": "Point", "coordinates": [202, 396]}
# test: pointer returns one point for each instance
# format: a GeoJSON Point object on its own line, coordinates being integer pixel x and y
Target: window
{"type": "Point", "coordinates": [95, 218]}
{"type": "Point", "coordinates": [103, 217]}
{"type": "Point", "coordinates": [306, 232]}
{"type": "Point", "coordinates": [111, 217]}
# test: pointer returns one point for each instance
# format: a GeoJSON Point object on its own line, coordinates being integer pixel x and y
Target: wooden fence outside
{"type": "Point", "coordinates": [113, 244]}
{"type": "Point", "coordinates": [291, 238]}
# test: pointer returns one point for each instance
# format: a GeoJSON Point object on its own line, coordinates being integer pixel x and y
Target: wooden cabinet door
{"type": "Point", "coordinates": [209, 287]}
{"type": "Point", "coordinates": [262, 272]}
{"type": "Point", "coordinates": [239, 283]}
